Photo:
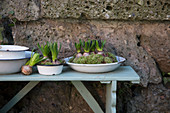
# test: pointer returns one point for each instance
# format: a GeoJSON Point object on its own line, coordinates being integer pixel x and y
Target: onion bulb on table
{"type": "Point", "coordinates": [27, 68]}
{"type": "Point", "coordinates": [79, 55]}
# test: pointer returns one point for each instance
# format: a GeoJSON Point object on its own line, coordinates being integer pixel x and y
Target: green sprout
{"type": "Point", "coordinates": [54, 51]}
{"type": "Point", "coordinates": [100, 45]}
{"type": "Point", "coordinates": [34, 59]}
{"type": "Point", "coordinates": [45, 49]}
{"type": "Point", "coordinates": [87, 46]}
{"type": "Point", "coordinates": [78, 46]}
{"type": "Point", "coordinates": [93, 45]}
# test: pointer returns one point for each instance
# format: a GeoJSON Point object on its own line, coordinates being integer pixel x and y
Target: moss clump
{"type": "Point", "coordinates": [71, 59]}
{"type": "Point", "coordinates": [108, 60]}
{"type": "Point", "coordinates": [110, 55]}
{"type": "Point", "coordinates": [95, 59]}
{"type": "Point", "coordinates": [80, 60]}
{"type": "Point", "coordinates": [46, 63]}
{"type": "Point", "coordinates": [91, 59]}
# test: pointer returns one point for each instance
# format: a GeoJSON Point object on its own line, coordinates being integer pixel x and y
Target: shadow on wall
{"type": "Point", "coordinates": [6, 31]}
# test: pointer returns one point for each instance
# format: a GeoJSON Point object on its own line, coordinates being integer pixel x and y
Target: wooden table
{"type": "Point", "coordinates": [123, 73]}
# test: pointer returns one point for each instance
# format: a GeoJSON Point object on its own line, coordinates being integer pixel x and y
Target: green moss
{"type": "Point", "coordinates": [111, 55]}
{"type": "Point", "coordinates": [47, 63]}
{"type": "Point", "coordinates": [91, 59]}
{"type": "Point", "coordinates": [80, 60]}
{"type": "Point", "coordinates": [1, 37]}
{"type": "Point", "coordinates": [95, 59]}
{"type": "Point", "coordinates": [71, 59]}
{"type": "Point", "coordinates": [108, 60]}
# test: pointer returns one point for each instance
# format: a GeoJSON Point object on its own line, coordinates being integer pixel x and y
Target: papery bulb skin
{"type": "Point", "coordinates": [85, 54]}
{"type": "Point", "coordinates": [26, 70]}
{"type": "Point", "coordinates": [79, 55]}
{"type": "Point", "coordinates": [100, 52]}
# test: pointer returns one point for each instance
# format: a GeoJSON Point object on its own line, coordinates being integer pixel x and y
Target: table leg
{"type": "Point", "coordinates": [18, 96]}
{"type": "Point", "coordinates": [111, 97]}
{"type": "Point", "coordinates": [87, 96]}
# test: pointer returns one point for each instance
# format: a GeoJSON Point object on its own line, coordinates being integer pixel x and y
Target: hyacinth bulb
{"type": "Point", "coordinates": [78, 55]}
{"type": "Point", "coordinates": [85, 54]}
{"type": "Point", "coordinates": [100, 52]}
{"type": "Point", "coordinates": [99, 46]}
{"type": "Point", "coordinates": [26, 70]}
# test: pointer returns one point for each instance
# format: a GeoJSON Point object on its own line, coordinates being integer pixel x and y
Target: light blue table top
{"type": "Point", "coordinates": [123, 73]}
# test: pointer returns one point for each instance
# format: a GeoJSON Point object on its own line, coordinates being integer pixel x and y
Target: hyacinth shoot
{"type": "Point", "coordinates": [54, 51]}
{"type": "Point", "coordinates": [100, 45]}
{"type": "Point", "coordinates": [45, 50]}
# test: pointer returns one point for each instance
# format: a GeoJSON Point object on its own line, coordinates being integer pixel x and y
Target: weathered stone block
{"type": "Point", "coordinates": [24, 10]}
{"type": "Point", "coordinates": [89, 9]}
{"type": "Point", "coordinates": [154, 99]}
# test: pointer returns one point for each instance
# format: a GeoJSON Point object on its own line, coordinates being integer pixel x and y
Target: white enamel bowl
{"type": "Point", "coordinates": [12, 51]}
{"type": "Point", "coordinates": [96, 68]}
{"type": "Point", "coordinates": [50, 69]}
{"type": "Point", "coordinates": [9, 66]}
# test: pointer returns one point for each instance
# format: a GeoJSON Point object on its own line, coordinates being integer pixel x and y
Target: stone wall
{"type": "Point", "coordinates": [127, 39]}
{"type": "Point", "coordinates": [89, 9]}
{"type": "Point", "coordinates": [144, 43]}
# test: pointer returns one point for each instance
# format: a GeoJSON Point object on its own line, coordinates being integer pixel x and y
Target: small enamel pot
{"type": "Point", "coordinates": [50, 69]}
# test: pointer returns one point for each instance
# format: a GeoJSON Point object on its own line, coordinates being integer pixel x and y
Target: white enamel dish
{"type": "Point", "coordinates": [9, 66]}
{"type": "Point", "coordinates": [49, 69]}
{"type": "Point", "coordinates": [12, 51]}
{"type": "Point", "coordinates": [96, 68]}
